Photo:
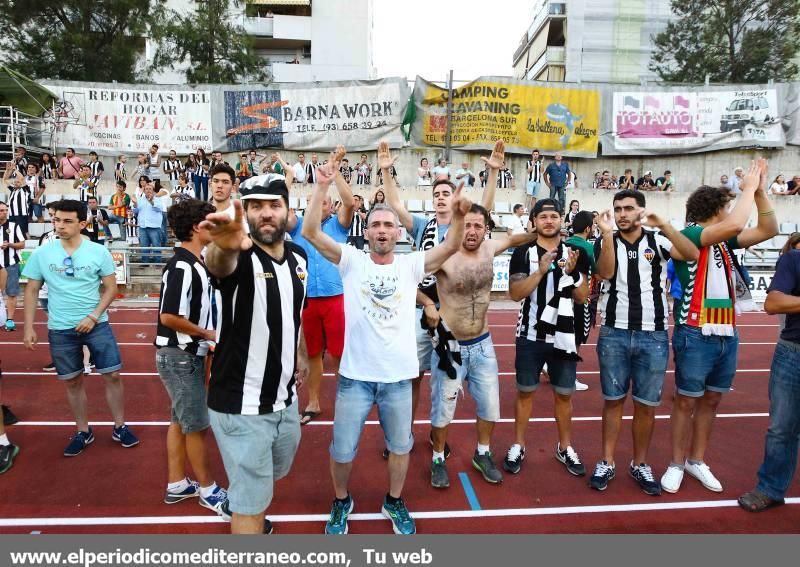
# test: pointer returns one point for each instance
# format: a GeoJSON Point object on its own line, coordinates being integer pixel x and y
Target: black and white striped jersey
{"type": "Point", "coordinates": [19, 201]}
{"type": "Point", "coordinates": [10, 233]}
{"type": "Point", "coordinates": [96, 167]}
{"type": "Point", "coordinates": [534, 174]}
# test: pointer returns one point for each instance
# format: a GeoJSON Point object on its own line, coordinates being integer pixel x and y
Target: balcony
{"type": "Point", "coordinates": [259, 27]}
{"type": "Point", "coordinates": [291, 73]}
{"type": "Point", "coordinates": [549, 11]}
{"type": "Point", "coordinates": [292, 27]}
{"type": "Point", "coordinates": [556, 55]}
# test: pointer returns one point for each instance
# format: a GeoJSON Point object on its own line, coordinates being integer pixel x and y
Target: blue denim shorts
{"type": "Point", "coordinates": [12, 283]}
{"type": "Point", "coordinates": [354, 400]}
{"type": "Point", "coordinates": [530, 359]}
{"type": "Point", "coordinates": [424, 344]}
{"type": "Point", "coordinates": [703, 362]}
{"type": "Point", "coordinates": [533, 188]}
{"type": "Point", "coordinates": [66, 348]}
{"type": "Point", "coordinates": [479, 368]}
{"type": "Point", "coordinates": [638, 357]}
{"type": "Point", "coordinates": [257, 450]}
{"type": "Point", "coordinates": [183, 375]}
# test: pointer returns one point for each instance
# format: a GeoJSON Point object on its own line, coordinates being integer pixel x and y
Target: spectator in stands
{"type": "Point", "coordinates": [724, 181]}
{"type": "Point", "coordinates": [253, 165]}
{"type": "Point", "coordinates": [346, 170]}
{"type": "Point", "coordinates": [646, 182]}
{"type": "Point", "coordinates": [201, 176]}
{"type": "Point", "coordinates": [779, 186]}
{"type": "Point", "coordinates": [363, 171]}
{"type": "Point", "coordinates": [173, 168]}
{"type": "Point", "coordinates": [150, 215]}
{"type": "Point", "coordinates": [120, 204]}
{"type": "Point", "coordinates": [19, 197]}
{"type": "Point", "coordinates": [666, 182]}
{"type": "Point", "coordinates": [141, 166]}
{"type": "Point", "coordinates": [794, 185]}
{"type": "Point", "coordinates": [69, 166]}
{"type": "Point", "coordinates": [606, 182]}
{"type": "Point", "coordinates": [182, 190]}
{"type": "Point", "coordinates": [596, 181]}
{"type": "Point", "coordinates": [441, 171]}
{"type": "Point", "coordinates": [96, 166]}
{"type": "Point", "coordinates": [465, 174]}
{"type": "Point", "coordinates": [85, 183]}
{"type": "Point", "coordinates": [556, 176]}
{"type": "Point", "coordinates": [300, 169]}
{"type": "Point", "coordinates": [190, 168]}
{"type": "Point", "coordinates": [515, 223]}
{"type": "Point", "coordinates": [379, 177]}
{"type": "Point", "coordinates": [424, 175]}
{"type": "Point", "coordinates": [356, 235]}
{"type": "Point", "coordinates": [119, 169]}
{"type": "Point", "coordinates": [96, 219]}
{"type": "Point", "coordinates": [131, 229]}
{"type": "Point", "coordinates": [154, 167]}
{"type": "Point", "coordinates": [505, 179]}
{"type": "Point", "coordinates": [379, 197]}
{"type": "Point", "coordinates": [21, 160]}
{"type": "Point", "coordinates": [627, 181]}
{"type": "Point", "coordinates": [48, 167]}
{"type": "Point", "coordinates": [574, 209]}
{"type": "Point", "coordinates": [242, 168]}
{"type": "Point", "coordinates": [36, 188]}
{"type": "Point", "coordinates": [216, 159]}
{"type": "Point", "coordinates": [143, 181]}
{"type": "Point", "coordinates": [736, 180]}
{"type": "Point", "coordinates": [12, 239]}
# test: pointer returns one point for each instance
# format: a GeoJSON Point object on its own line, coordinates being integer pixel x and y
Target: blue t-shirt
{"type": "Point", "coordinates": [70, 298]}
{"type": "Point", "coordinates": [558, 174]}
{"type": "Point", "coordinates": [323, 276]}
{"type": "Point", "coordinates": [418, 229]}
{"type": "Point", "coordinates": [787, 280]}
{"type": "Point", "coordinates": [675, 287]}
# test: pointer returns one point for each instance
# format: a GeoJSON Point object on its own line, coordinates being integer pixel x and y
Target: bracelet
{"type": "Point", "coordinates": [429, 305]}
{"type": "Point", "coordinates": [92, 317]}
{"type": "Point", "coordinates": [766, 213]}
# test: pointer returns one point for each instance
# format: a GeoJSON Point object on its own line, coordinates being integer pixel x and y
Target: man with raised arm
{"type": "Point", "coordinates": [427, 234]}
{"type": "Point", "coordinates": [705, 340]}
{"type": "Point", "coordinates": [378, 362]}
{"type": "Point", "coordinates": [633, 348]}
{"type": "Point", "coordinates": [323, 317]}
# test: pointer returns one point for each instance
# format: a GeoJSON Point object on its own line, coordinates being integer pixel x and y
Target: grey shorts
{"type": "Point", "coordinates": [183, 376]}
{"type": "Point", "coordinates": [12, 283]}
{"type": "Point", "coordinates": [257, 450]}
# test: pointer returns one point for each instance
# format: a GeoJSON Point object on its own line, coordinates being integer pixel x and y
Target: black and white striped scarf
{"type": "Point", "coordinates": [446, 346]}
{"type": "Point", "coordinates": [558, 317]}
{"type": "Point", "coordinates": [430, 238]}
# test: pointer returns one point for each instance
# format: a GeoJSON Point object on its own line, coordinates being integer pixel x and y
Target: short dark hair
{"type": "Point", "coordinates": [121, 183]}
{"type": "Point", "coordinates": [626, 193]}
{"type": "Point", "coordinates": [93, 153]}
{"type": "Point", "coordinates": [535, 150]}
{"type": "Point", "coordinates": [71, 150]}
{"type": "Point", "coordinates": [707, 201]}
{"type": "Point", "coordinates": [517, 207]}
{"type": "Point", "coordinates": [184, 215]}
{"type": "Point", "coordinates": [480, 210]}
{"type": "Point", "coordinates": [443, 181]}
{"type": "Point", "coordinates": [222, 168]}
{"type": "Point", "coordinates": [582, 221]}
{"type": "Point", "coordinates": [71, 206]}
{"type": "Point", "coordinates": [668, 172]}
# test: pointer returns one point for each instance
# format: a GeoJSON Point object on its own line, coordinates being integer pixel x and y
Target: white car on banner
{"type": "Point", "coordinates": [746, 111]}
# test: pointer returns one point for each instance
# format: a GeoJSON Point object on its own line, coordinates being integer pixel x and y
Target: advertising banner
{"type": "Point", "coordinates": [112, 119]}
{"type": "Point", "coordinates": [526, 115]}
{"type": "Point", "coordinates": [501, 263]}
{"type": "Point", "coordinates": [759, 284]}
{"type": "Point", "coordinates": [679, 120]}
{"type": "Point", "coordinates": [318, 116]}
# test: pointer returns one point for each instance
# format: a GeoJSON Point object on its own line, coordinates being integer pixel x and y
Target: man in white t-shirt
{"type": "Point", "coordinates": [300, 169]}
{"type": "Point", "coordinates": [516, 223]}
{"type": "Point", "coordinates": [441, 170]}
{"type": "Point", "coordinates": [379, 359]}
{"type": "Point", "coordinates": [465, 175]}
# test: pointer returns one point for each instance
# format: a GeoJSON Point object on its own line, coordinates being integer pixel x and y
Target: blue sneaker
{"type": "Point", "coordinates": [78, 443]}
{"type": "Point", "coordinates": [124, 437]}
{"type": "Point", "coordinates": [337, 523]}
{"type": "Point", "coordinates": [10, 326]}
{"type": "Point", "coordinates": [216, 501]}
{"type": "Point", "coordinates": [191, 491]}
{"type": "Point", "coordinates": [402, 522]}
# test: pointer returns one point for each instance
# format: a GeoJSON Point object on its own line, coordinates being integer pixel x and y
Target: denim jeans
{"type": "Point", "coordinates": [66, 350]}
{"type": "Point", "coordinates": [150, 237]}
{"type": "Point", "coordinates": [783, 435]}
{"type": "Point", "coordinates": [560, 195]}
{"type": "Point", "coordinates": [703, 362]}
{"type": "Point", "coordinates": [637, 357]}
{"type": "Point", "coordinates": [201, 188]}
{"type": "Point", "coordinates": [114, 219]}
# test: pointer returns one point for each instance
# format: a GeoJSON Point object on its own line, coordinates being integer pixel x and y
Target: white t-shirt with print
{"type": "Point", "coordinates": [380, 342]}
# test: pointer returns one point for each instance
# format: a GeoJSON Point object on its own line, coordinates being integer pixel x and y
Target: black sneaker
{"type": "Point", "coordinates": [7, 454]}
{"type": "Point", "coordinates": [439, 476]}
{"type": "Point", "coordinates": [49, 367]}
{"type": "Point", "coordinates": [643, 474]}
{"type": "Point", "coordinates": [603, 473]}
{"type": "Point", "coordinates": [8, 416]}
{"type": "Point", "coordinates": [514, 457]}
{"type": "Point", "coordinates": [571, 460]}
{"type": "Point", "coordinates": [485, 464]}
{"type": "Point", "coordinates": [267, 526]}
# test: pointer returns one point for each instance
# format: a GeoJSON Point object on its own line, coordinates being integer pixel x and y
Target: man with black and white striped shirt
{"type": "Point", "coordinates": [633, 347]}
{"type": "Point", "coordinates": [261, 356]}
{"type": "Point", "coordinates": [534, 168]}
{"type": "Point", "coordinates": [95, 166]}
{"type": "Point", "coordinates": [356, 234]}
{"type": "Point", "coordinates": [19, 197]}
{"type": "Point", "coordinates": [183, 335]}
{"type": "Point", "coordinates": [85, 183]}
{"type": "Point", "coordinates": [12, 239]}
{"type": "Point", "coordinates": [173, 168]}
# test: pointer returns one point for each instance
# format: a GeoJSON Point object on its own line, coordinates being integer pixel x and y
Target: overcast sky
{"type": "Point", "coordinates": [429, 37]}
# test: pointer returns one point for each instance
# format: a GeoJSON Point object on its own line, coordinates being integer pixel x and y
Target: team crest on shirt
{"type": "Point", "coordinates": [301, 273]}
{"type": "Point", "coordinates": [562, 263]}
{"type": "Point", "coordinates": [649, 254]}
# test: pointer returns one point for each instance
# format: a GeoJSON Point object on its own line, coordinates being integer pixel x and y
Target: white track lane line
{"type": "Point", "coordinates": [432, 515]}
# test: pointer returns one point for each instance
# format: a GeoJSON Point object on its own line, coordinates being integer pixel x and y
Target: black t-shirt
{"type": "Point", "coordinates": [787, 280]}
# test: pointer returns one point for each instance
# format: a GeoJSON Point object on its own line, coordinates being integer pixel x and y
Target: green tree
{"type": "Point", "coordinates": [78, 40]}
{"type": "Point", "coordinates": [732, 41]}
{"type": "Point", "coordinates": [214, 47]}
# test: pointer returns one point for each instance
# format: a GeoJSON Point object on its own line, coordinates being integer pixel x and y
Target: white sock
{"type": "Point", "coordinates": [206, 491]}
{"type": "Point", "coordinates": [179, 486]}
{"type": "Point", "coordinates": [483, 449]}
{"type": "Point", "coordinates": [438, 455]}
{"type": "Point", "coordinates": [4, 440]}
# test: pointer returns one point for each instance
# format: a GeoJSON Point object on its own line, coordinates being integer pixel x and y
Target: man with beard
{"type": "Point", "coordinates": [427, 234]}
{"type": "Point", "coordinates": [463, 346]}
{"type": "Point", "coordinates": [260, 356]}
{"type": "Point", "coordinates": [378, 364]}
{"type": "Point", "coordinates": [551, 277]}
{"type": "Point", "coordinates": [633, 348]}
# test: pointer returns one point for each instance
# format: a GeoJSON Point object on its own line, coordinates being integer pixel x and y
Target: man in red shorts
{"type": "Point", "coordinates": [323, 317]}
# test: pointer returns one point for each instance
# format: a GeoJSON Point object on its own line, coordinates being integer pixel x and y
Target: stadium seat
{"type": "Point", "coordinates": [415, 206]}
{"type": "Point", "coordinates": [37, 229]}
{"type": "Point", "coordinates": [788, 227]}
{"type": "Point", "coordinates": [502, 207]}
{"type": "Point", "coordinates": [429, 206]}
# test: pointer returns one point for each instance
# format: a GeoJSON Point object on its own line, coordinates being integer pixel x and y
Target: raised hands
{"type": "Point", "coordinates": [604, 221]}
{"type": "Point", "coordinates": [652, 219]}
{"type": "Point", "coordinates": [572, 260]}
{"type": "Point", "coordinates": [752, 178]}
{"type": "Point", "coordinates": [385, 160]}
{"type": "Point", "coordinates": [327, 172]}
{"type": "Point", "coordinates": [461, 203]}
{"type": "Point", "coordinates": [495, 161]}
{"type": "Point", "coordinates": [546, 261]}
{"type": "Point", "coordinates": [228, 233]}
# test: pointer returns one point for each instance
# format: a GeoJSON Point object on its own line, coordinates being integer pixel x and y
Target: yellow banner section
{"type": "Point", "coordinates": [526, 116]}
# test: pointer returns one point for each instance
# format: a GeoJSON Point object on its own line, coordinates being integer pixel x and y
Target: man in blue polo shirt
{"type": "Point", "coordinates": [323, 317]}
{"type": "Point", "coordinates": [556, 176]}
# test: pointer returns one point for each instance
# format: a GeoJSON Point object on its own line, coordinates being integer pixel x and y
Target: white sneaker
{"type": "Point", "coordinates": [671, 480]}
{"type": "Point", "coordinates": [702, 473]}
{"type": "Point", "coordinates": [580, 386]}
{"type": "Point", "coordinates": [87, 370]}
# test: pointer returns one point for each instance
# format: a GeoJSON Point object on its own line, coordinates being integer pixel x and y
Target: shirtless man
{"type": "Point", "coordinates": [463, 345]}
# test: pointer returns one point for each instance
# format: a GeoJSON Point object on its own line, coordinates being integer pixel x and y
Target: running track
{"type": "Point", "coordinates": [113, 490]}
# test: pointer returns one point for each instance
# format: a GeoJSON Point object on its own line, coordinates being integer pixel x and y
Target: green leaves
{"type": "Point", "coordinates": [731, 41]}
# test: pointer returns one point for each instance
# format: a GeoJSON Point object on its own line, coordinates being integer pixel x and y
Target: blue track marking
{"type": "Point", "coordinates": [469, 491]}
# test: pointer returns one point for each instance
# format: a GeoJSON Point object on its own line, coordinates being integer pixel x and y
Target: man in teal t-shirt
{"type": "Point", "coordinates": [73, 269]}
